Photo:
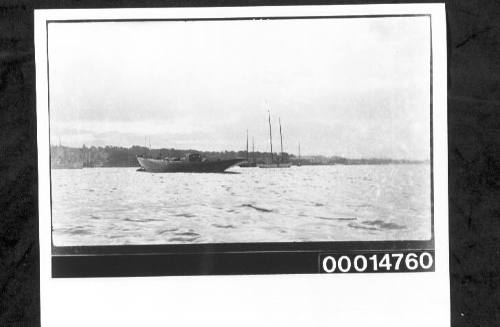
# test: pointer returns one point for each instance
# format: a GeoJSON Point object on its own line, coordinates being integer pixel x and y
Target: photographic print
{"type": "Point", "coordinates": [302, 136]}
{"type": "Point", "coordinates": [180, 148]}
{"type": "Point", "coordinates": [240, 130]}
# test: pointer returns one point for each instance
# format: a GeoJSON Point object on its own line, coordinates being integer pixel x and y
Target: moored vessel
{"type": "Point", "coordinates": [192, 163]}
{"type": "Point", "coordinates": [248, 163]}
{"type": "Point", "coordinates": [279, 163]}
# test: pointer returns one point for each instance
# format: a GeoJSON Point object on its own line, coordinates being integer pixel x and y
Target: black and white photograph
{"type": "Point", "coordinates": [188, 142]}
{"type": "Point", "coordinates": [231, 131]}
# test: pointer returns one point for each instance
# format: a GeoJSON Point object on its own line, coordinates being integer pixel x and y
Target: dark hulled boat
{"type": "Point", "coordinates": [192, 163]}
{"type": "Point", "coordinates": [247, 164]}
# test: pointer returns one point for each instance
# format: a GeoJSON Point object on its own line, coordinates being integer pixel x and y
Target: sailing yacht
{"type": "Point", "coordinates": [279, 163]}
{"type": "Point", "coordinates": [247, 163]}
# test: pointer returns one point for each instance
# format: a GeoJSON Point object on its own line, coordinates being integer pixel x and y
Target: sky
{"type": "Point", "coordinates": [357, 88]}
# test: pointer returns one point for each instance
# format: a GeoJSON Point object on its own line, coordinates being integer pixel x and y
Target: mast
{"type": "Point", "coordinates": [281, 140]}
{"type": "Point", "coordinates": [253, 150]}
{"type": "Point", "coordinates": [299, 153]}
{"type": "Point", "coordinates": [247, 145]}
{"type": "Point", "coordinates": [270, 135]}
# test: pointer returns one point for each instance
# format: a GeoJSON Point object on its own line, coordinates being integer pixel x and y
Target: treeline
{"type": "Point", "coordinates": [113, 156]}
{"type": "Point", "coordinates": [336, 160]}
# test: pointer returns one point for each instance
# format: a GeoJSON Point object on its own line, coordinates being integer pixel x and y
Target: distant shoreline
{"type": "Point", "coordinates": [112, 156]}
{"type": "Point", "coordinates": [293, 165]}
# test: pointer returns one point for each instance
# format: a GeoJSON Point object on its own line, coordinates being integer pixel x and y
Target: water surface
{"type": "Point", "coordinates": [105, 206]}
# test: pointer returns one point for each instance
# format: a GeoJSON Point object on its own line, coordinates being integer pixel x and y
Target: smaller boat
{"type": "Point", "coordinates": [276, 165]}
{"type": "Point", "coordinates": [192, 163]}
{"type": "Point", "coordinates": [248, 163]}
{"type": "Point", "coordinates": [279, 163]}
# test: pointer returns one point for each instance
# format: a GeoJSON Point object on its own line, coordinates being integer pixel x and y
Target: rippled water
{"type": "Point", "coordinates": [98, 206]}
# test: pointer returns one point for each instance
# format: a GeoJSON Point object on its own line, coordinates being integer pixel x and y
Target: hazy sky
{"type": "Point", "coordinates": [350, 87]}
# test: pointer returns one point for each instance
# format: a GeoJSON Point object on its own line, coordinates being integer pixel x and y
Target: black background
{"type": "Point", "coordinates": [473, 132]}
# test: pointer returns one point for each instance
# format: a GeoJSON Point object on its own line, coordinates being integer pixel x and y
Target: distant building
{"type": "Point", "coordinates": [62, 157]}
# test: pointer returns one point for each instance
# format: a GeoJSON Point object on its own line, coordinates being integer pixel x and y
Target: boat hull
{"type": "Point", "coordinates": [276, 165]}
{"type": "Point", "coordinates": [165, 166]}
{"type": "Point", "coordinates": [247, 164]}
